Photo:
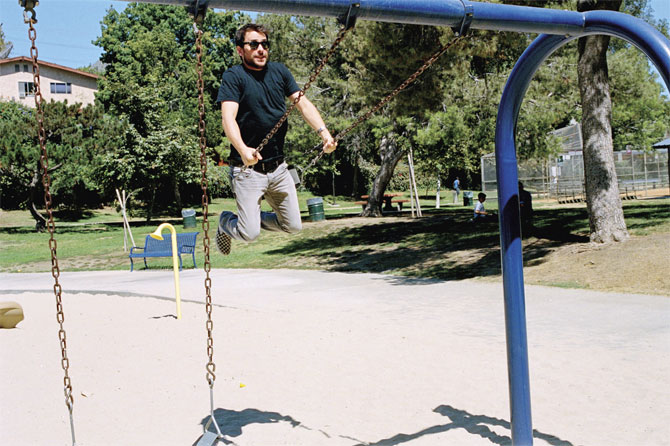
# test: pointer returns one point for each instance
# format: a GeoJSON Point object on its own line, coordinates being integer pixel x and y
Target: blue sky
{"type": "Point", "coordinates": [66, 28]}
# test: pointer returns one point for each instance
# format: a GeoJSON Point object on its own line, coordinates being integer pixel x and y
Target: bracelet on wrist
{"type": "Point", "coordinates": [321, 129]}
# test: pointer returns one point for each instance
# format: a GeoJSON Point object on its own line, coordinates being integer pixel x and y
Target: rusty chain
{"type": "Point", "coordinates": [340, 35]}
{"type": "Point", "coordinates": [51, 226]}
{"type": "Point", "coordinates": [198, 18]}
{"type": "Point", "coordinates": [211, 367]}
{"type": "Point", "coordinates": [387, 98]}
{"type": "Point", "coordinates": [399, 88]}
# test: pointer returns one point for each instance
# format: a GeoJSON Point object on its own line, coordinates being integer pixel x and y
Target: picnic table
{"type": "Point", "coordinates": [389, 200]}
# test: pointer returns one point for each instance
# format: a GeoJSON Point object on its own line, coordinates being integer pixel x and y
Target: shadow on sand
{"type": "Point", "coordinates": [479, 425]}
{"type": "Point", "coordinates": [231, 423]}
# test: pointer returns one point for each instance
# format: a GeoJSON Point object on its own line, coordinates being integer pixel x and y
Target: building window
{"type": "Point", "coordinates": [17, 68]}
{"type": "Point", "coordinates": [26, 89]}
{"type": "Point", "coordinates": [25, 68]}
{"type": "Point", "coordinates": [61, 88]}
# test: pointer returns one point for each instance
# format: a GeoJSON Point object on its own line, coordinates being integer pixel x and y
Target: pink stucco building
{"type": "Point", "coordinates": [57, 82]}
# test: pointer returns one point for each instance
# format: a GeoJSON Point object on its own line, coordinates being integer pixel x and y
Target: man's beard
{"type": "Point", "coordinates": [252, 63]}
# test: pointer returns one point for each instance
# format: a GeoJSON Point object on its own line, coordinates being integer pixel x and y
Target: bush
{"type": "Point", "coordinates": [13, 191]}
{"type": "Point", "coordinates": [219, 182]}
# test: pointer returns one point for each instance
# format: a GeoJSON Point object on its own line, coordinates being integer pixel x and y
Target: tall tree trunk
{"type": "Point", "coordinates": [177, 195]}
{"type": "Point", "coordinates": [36, 196]}
{"type": "Point", "coordinates": [390, 153]}
{"type": "Point", "coordinates": [354, 180]}
{"type": "Point", "coordinates": [40, 221]}
{"type": "Point", "coordinates": [152, 201]}
{"type": "Point", "coordinates": [603, 202]}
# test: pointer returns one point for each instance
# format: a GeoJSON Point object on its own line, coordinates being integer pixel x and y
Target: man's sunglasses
{"type": "Point", "coordinates": [254, 45]}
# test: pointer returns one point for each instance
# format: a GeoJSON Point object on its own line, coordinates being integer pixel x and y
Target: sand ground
{"type": "Point", "coordinates": [314, 358]}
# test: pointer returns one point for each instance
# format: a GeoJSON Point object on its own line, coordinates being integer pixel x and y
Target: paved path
{"type": "Point", "coordinates": [314, 358]}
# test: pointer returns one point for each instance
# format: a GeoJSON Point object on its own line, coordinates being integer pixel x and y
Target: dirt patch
{"type": "Point", "coordinates": [639, 265]}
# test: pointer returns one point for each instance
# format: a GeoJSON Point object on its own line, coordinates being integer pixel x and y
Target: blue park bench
{"type": "Point", "coordinates": [163, 248]}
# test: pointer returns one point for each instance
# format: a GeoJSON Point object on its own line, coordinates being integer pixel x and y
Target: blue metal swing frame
{"type": "Point", "coordinates": [557, 28]}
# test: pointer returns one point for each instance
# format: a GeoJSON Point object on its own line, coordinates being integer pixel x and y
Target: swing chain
{"type": "Point", "coordinates": [211, 367]}
{"type": "Point", "coordinates": [51, 226]}
{"type": "Point", "coordinates": [386, 99]}
{"type": "Point", "coordinates": [340, 36]}
{"type": "Point", "coordinates": [399, 88]}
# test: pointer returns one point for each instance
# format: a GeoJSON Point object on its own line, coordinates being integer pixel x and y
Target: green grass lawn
{"type": "Point", "coordinates": [442, 244]}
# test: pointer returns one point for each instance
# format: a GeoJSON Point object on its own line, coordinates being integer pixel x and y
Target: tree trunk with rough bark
{"type": "Point", "coordinates": [390, 153]}
{"type": "Point", "coordinates": [354, 180]}
{"type": "Point", "coordinates": [35, 189]}
{"type": "Point", "coordinates": [152, 202]}
{"type": "Point", "coordinates": [177, 195]}
{"type": "Point", "coordinates": [603, 202]}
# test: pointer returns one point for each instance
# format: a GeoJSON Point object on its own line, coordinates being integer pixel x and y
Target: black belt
{"type": "Point", "coordinates": [261, 166]}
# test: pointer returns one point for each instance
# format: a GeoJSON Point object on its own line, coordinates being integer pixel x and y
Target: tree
{"type": "Point", "coordinates": [603, 202]}
{"type": "Point", "coordinates": [18, 156]}
{"type": "Point", "coordinates": [640, 112]}
{"type": "Point", "coordinates": [75, 137]}
{"type": "Point", "coordinates": [461, 128]}
{"type": "Point", "coordinates": [150, 83]}
{"type": "Point", "coordinates": [5, 46]}
{"type": "Point", "coordinates": [380, 58]}
{"type": "Point", "coordinates": [637, 117]}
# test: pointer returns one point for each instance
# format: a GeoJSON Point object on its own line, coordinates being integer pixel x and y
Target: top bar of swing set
{"type": "Point", "coordinates": [450, 13]}
{"type": "Point", "coordinates": [457, 14]}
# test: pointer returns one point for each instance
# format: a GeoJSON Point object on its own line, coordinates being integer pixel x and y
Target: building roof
{"type": "Point", "coordinates": [663, 144]}
{"type": "Point", "coordinates": [48, 64]}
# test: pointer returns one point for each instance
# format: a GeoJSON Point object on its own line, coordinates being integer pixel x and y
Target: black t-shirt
{"type": "Point", "coordinates": [261, 96]}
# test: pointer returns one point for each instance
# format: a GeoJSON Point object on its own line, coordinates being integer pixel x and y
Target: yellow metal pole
{"type": "Point", "coordinates": [175, 263]}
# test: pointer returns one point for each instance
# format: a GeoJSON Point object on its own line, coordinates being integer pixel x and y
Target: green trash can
{"type": "Point", "coordinates": [467, 198]}
{"type": "Point", "coordinates": [315, 207]}
{"type": "Point", "coordinates": [189, 218]}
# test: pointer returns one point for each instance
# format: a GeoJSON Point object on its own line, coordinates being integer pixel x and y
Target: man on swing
{"type": "Point", "coordinates": [252, 97]}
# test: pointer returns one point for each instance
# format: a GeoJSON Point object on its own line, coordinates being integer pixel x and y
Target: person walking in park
{"type": "Point", "coordinates": [253, 99]}
{"type": "Point", "coordinates": [457, 189]}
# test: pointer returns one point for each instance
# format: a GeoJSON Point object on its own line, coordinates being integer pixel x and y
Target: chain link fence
{"type": "Point", "coordinates": [639, 173]}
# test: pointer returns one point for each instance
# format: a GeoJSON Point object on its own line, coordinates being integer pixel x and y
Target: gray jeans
{"type": "Point", "coordinates": [250, 187]}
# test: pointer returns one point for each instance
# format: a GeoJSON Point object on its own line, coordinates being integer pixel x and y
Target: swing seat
{"type": "Point", "coordinates": [11, 313]}
{"type": "Point", "coordinates": [208, 439]}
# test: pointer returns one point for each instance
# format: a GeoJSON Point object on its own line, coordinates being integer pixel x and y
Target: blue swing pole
{"type": "Point", "coordinates": [557, 27]}
{"type": "Point", "coordinates": [657, 48]}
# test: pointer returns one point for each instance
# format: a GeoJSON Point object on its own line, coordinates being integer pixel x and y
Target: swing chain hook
{"type": "Point", "coordinates": [211, 367]}
{"type": "Point", "coordinates": [348, 20]}
{"type": "Point", "coordinates": [198, 10]}
{"type": "Point", "coordinates": [51, 226]}
{"type": "Point", "coordinates": [29, 15]}
{"type": "Point", "coordinates": [468, 14]}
